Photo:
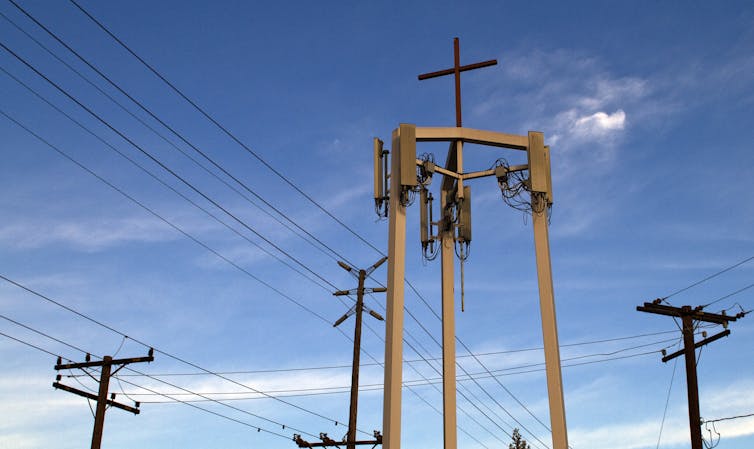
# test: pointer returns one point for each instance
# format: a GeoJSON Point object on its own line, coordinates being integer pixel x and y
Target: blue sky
{"type": "Point", "coordinates": [647, 108]}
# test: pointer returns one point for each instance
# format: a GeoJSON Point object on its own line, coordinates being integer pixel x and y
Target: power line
{"type": "Point", "coordinates": [509, 351]}
{"type": "Point", "coordinates": [38, 332]}
{"type": "Point", "coordinates": [223, 128]}
{"type": "Point", "coordinates": [174, 357]}
{"type": "Point", "coordinates": [259, 429]}
{"type": "Point", "coordinates": [156, 178]}
{"type": "Point", "coordinates": [728, 295]}
{"type": "Point", "coordinates": [375, 387]}
{"type": "Point", "coordinates": [725, 270]}
{"type": "Point", "coordinates": [168, 141]}
{"type": "Point", "coordinates": [176, 133]}
{"type": "Point", "coordinates": [167, 222]}
{"type": "Point", "coordinates": [162, 165]}
{"type": "Point", "coordinates": [243, 145]}
{"type": "Point", "coordinates": [729, 418]}
{"type": "Point", "coordinates": [230, 135]}
{"type": "Point", "coordinates": [161, 218]}
{"type": "Point", "coordinates": [103, 121]}
{"type": "Point", "coordinates": [667, 401]}
{"type": "Point", "coordinates": [132, 99]}
{"type": "Point", "coordinates": [27, 327]}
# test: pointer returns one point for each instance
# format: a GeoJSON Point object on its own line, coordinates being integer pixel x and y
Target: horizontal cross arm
{"type": "Point", "coordinates": [661, 309]}
{"type": "Point", "coordinates": [102, 362]}
{"type": "Point", "coordinates": [94, 397]}
{"type": "Point", "coordinates": [698, 344]}
{"type": "Point", "coordinates": [303, 443]}
{"type": "Point", "coordinates": [471, 135]}
{"type": "Point", "coordinates": [464, 68]}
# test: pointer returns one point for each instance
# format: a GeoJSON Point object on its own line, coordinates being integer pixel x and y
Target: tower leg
{"type": "Point", "coordinates": [396, 270]}
{"type": "Point", "coordinates": [549, 323]}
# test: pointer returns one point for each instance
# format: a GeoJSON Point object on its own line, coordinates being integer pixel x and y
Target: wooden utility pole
{"type": "Point", "coordinates": [357, 310]}
{"type": "Point", "coordinates": [689, 316]}
{"type": "Point", "coordinates": [103, 402]}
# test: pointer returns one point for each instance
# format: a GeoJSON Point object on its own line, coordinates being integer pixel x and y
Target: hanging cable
{"type": "Point", "coordinates": [667, 401]}
{"type": "Point", "coordinates": [225, 130]}
{"type": "Point", "coordinates": [712, 276]}
{"type": "Point", "coordinates": [259, 429]}
{"type": "Point", "coordinates": [332, 254]}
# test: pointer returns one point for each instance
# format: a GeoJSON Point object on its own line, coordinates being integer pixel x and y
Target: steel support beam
{"type": "Point", "coordinates": [547, 308]}
{"type": "Point", "coordinates": [447, 241]}
{"type": "Point", "coordinates": [396, 271]}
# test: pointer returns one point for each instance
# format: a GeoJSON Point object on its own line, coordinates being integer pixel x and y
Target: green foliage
{"type": "Point", "coordinates": [518, 441]}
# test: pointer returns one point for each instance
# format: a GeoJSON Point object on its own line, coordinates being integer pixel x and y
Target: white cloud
{"type": "Point", "coordinates": [90, 235]}
{"type": "Point", "coordinates": [600, 124]}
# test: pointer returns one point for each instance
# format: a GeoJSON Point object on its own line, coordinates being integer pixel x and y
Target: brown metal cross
{"type": "Point", "coordinates": [456, 71]}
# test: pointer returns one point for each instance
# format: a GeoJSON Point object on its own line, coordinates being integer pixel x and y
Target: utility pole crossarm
{"type": "Point", "coordinates": [94, 397]}
{"type": "Point", "coordinates": [695, 313]}
{"type": "Point", "coordinates": [147, 359]}
{"type": "Point", "coordinates": [698, 344]}
{"type": "Point", "coordinates": [106, 373]}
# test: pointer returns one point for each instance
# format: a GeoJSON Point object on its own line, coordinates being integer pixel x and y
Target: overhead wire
{"type": "Point", "coordinates": [425, 380]}
{"type": "Point", "coordinates": [161, 218]}
{"type": "Point", "coordinates": [157, 178]}
{"type": "Point", "coordinates": [728, 295]}
{"type": "Point", "coordinates": [712, 276]}
{"type": "Point", "coordinates": [167, 354]}
{"type": "Point", "coordinates": [180, 136]}
{"type": "Point", "coordinates": [749, 415]}
{"type": "Point", "coordinates": [156, 378]}
{"type": "Point", "coordinates": [162, 165]}
{"type": "Point", "coordinates": [667, 401]}
{"type": "Point", "coordinates": [223, 128]}
{"type": "Point", "coordinates": [258, 428]}
{"type": "Point", "coordinates": [157, 215]}
{"type": "Point", "coordinates": [508, 351]}
{"type": "Point", "coordinates": [209, 117]}
{"type": "Point", "coordinates": [171, 224]}
{"type": "Point", "coordinates": [168, 141]}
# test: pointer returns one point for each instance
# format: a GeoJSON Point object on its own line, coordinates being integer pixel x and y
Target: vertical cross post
{"type": "Point", "coordinates": [451, 190]}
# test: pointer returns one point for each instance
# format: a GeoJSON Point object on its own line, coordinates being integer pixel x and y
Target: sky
{"type": "Point", "coordinates": [118, 235]}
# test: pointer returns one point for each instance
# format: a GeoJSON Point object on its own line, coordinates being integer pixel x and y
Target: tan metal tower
{"type": "Point", "coordinates": [392, 196]}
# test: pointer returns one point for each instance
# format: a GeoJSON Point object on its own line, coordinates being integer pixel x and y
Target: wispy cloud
{"type": "Point", "coordinates": [86, 234]}
{"type": "Point", "coordinates": [643, 433]}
